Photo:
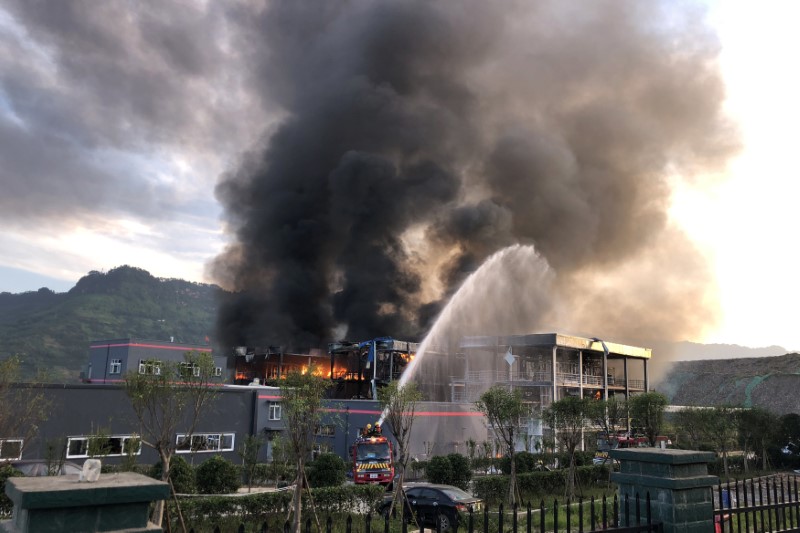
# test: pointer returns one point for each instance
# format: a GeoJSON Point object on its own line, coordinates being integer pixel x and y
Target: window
{"type": "Point", "coordinates": [10, 449]}
{"type": "Point", "coordinates": [115, 366]}
{"type": "Point", "coordinates": [325, 430]}
{"type": "Point", "coordinates": [190, 369]}
{"type": "Point", "coordinates": [150, 366]}
{"type": "Point", "coordinates": [217, 371]}
{"type": "Point", "coordinates": [205, 442]}
{"type": "Point", "coordinates": [103, 446]}
{"type": "Point", "coordinates": [274, 411]}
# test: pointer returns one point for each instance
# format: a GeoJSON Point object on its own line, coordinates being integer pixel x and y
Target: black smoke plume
{"type": "Point", "coordinates": [420, 137]}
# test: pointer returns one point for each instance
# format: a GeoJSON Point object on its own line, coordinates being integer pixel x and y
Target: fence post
{"type": "Point", "coordinates": [678, 484]}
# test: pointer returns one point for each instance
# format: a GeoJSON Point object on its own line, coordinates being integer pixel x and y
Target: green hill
{"type": "Point", "coordinates": [51, 331]}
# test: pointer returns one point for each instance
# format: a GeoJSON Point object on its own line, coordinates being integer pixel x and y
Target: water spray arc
{"type": "Point", "coordinates": [508, 294]}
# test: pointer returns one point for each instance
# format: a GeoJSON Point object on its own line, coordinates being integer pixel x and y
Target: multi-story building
{"type": "Point", "coordinates": [110, 360]}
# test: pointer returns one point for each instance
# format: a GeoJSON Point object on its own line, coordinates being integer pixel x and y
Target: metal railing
{"type": "Point", "coordinates": [581, 516]}
{"type": "Point", "coordinates": [760, 504]}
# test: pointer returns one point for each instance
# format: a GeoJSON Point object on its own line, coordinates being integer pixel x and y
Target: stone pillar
{"type": "Point", "coordinates": [116, 502]}
{"type": "Point", "coordinates": [678, 483]}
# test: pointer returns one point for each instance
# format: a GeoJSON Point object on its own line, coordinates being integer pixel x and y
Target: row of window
{"type": "Point", "coordinates": [153, 367]}
{"type": "Point", "coordinates": [85, 446]}
{"type": "Point", "coordinates": [121, 445]}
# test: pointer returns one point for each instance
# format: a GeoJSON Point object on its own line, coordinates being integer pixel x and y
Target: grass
{"type": "Point", "coordinates": [358, 524]}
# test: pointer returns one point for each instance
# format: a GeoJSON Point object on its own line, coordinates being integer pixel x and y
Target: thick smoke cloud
{"type": "Point", "coordinates": [419, 138]}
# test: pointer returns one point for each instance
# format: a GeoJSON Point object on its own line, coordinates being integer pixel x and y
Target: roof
{"type": "Point", "coordinates": [556, 339]}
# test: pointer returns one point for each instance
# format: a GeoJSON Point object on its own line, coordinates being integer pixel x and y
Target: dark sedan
{"type": "Point", "coordinates": [433, 505]}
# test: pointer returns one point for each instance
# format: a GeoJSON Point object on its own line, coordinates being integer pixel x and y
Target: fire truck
{"type": "Point", "coordinates": [373, 460]}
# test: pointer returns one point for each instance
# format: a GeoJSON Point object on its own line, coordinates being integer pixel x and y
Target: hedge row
{"type": "Point", "coordinates": [494, 489]}
{"type": "Point", "coordinates": [265, 506]}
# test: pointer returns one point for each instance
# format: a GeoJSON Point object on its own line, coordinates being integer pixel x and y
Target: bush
{"type": "Point", "coordinates": [271, 507]}
{"type": "Point", "coordinates": [526, 462]}
{"type": "Point", "coordinates": [439, 470]}
{"type": "Point", "coordinates": [218, 476]}
{"type": "Point", "coordinates": [461, 472]}
{"type": "Point", "coordinates": [6, 471]}
{"type": "Point", "coordinates": [327, 470]}
{"type": "Point", "coordinates": [180, 472]}
{"type": "Point", "coordinates": [533, 485]}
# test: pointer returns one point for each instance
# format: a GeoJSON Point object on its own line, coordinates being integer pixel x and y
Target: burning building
{"type": "Point", "coordinates": [357, 369]}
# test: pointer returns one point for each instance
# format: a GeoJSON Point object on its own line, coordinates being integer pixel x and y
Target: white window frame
{"type": "Point", "coordinates": [275, 411]}
{"type": "Point", "coordinates": [325, 430]}
{"type": "Point", "coordinates": [85, 447]}
{"type": "Point", "coordinates": [11, 458]}
{"type": "Point", "coordinates": [150, 367]}
{"type": "Point", "coordinates": [193, 366]}
{"type": "Point", "coordinates": [115, 367]}
{"type": "Point", "coordinates": [212, 442]}
{"type": "Point", "coordinates": [217, 371]}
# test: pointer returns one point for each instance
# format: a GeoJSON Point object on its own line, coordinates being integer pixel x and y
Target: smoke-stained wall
{"type": "Point", "coordinates": [419, 138]}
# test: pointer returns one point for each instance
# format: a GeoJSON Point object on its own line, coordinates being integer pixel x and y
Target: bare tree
{"type": "Point", "coordinates": [167, 397]}
{"type": "Point", "coordinates": [301, 400]}
{"type": "Point", "coordinates": [400, 403]}
{"type": "Point", "coordinates": [504, 410]}
{"type": "Point", "coordinates": [24, 407]}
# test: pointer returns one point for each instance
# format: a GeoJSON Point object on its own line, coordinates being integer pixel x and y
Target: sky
{"type": "Point", "coordinates": [116, 125]}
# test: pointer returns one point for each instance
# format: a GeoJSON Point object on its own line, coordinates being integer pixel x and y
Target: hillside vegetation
{"type": "Point", "coordinates": [768, 382]}
{"type": "Point", "coordinates": [51, 331]}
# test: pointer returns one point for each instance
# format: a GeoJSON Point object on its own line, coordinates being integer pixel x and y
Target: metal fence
{"type": "Point", "coordinates": [592, 516]}
{"type": "Point", "coordinates": [766, 504]}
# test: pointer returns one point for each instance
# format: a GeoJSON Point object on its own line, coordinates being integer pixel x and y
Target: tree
{"type": "Point", "coordinates": [647, 411]}
{"type": "Point", "coordinates": [567, 418]}
{"type": "Point", "coordinates": [399, 403]}
{"type": "Point", "coordinates": [504, 410]}
{"type": "Point", "coordinates": [248, 450]}
{"type": "Point", "coordinates": [609, 415]}
{"type": "Point", "coordinates": [717, 426]}
{"type": "Point", "coordinates": [757, 429]}
{"type": "Point", "coordinates": [217, 475]}
{"type": "Point", "coordinates": [24, 408]}
{"type": "Point", "coordinates": [170, 397]}
{"type": "Point", "coordinates": [721, 429]}
{"type": "Point", "coordinates": [301, 398]}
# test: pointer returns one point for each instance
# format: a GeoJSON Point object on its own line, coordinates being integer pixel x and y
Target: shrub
{"type": "Point", "coordinates": [218, 476]}
{"type": "Point", "coordinates": [6, 471]}
{"type": "Point", "coordinates": [533, 485]}
{"type": "Point", "coordinates": [327, 470]}
{"type": "Point", "coordinates": [271, 507]}
{"type": "Point", "coordinates": [439, 470]}
{"type": "Point", "coordinates": [461, 473]}
{"type": "Point", "coordinates": [181, 474]}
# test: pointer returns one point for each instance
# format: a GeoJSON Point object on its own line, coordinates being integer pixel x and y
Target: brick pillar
{"type": "Point", "coordinates": [678, 483]}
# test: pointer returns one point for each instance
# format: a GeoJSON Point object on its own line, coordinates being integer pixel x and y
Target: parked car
{"type": "Point", "coordinates": [431, 504]}
{"type": "Point", "coordinates": [39, 467]}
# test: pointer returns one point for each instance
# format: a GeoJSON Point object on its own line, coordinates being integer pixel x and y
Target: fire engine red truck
{"type": "Point", "coordinates": [372, 457]}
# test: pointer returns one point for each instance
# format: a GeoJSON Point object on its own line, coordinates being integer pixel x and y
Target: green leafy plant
{"type": "Point", "coordinates": [217, 475]}
{"type": "Point", "coordinates": [181, 474]}
{"type": "Point", "coordinates": [327, 470]}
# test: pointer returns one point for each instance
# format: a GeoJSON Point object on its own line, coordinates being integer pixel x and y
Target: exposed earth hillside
{"type": "Point", "coordinates": [51, 331]}
{"type": "Point", "coordinates": [769, 382]}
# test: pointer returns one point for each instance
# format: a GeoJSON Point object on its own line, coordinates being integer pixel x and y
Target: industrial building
{"type": "Point", "coordinates": [544, 367]}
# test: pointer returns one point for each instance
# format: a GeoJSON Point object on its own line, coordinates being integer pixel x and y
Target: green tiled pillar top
{"type": "Point", "coordinates": [62, 503]}
{"type": "Point", "coordinates": [678, 484]}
